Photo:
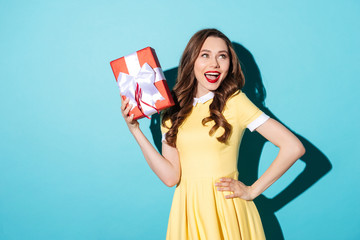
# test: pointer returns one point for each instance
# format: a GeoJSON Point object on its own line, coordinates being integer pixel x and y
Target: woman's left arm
{"type": "Point", "coordinates": [291, 149]}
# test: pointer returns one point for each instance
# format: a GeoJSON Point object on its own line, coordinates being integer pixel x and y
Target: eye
{"type": "Point", "coordinates": [223, 56]}
{"type": "Point", "coordinates": [205, 55]}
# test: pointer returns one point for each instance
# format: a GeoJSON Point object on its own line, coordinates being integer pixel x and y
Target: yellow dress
{"type": "Point", "coordinates": [199, 210]}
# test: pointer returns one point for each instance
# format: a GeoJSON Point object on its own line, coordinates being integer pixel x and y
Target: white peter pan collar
{"type": "Point", "coordinates": [204, 98]}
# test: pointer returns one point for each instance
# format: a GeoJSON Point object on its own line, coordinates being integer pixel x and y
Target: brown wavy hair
{"type": "Point", "coordinates": [186, 85]}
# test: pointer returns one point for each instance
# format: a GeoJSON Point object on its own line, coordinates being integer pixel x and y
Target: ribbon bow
{"type": "Point", "coordinates": [140, 89]}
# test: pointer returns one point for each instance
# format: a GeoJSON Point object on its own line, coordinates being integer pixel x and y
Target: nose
{"type": "Point", "coordinates": [214, 62]}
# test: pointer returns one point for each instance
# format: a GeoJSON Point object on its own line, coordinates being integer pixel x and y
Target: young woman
{"type": "Point", "coordinates": [201, 138]}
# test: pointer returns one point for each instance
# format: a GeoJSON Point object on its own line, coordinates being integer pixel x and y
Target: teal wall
{"type": "Point", "coordinates": [70, 169]}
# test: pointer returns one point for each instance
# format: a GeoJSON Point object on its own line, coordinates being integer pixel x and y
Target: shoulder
{"type": "Point", "coordinates": [238, 98]}
{"type": "Point", "coordinates": [242, 109]}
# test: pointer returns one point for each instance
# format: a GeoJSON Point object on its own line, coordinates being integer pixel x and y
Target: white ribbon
{"type": "Point", "coordinates": [146, 78]}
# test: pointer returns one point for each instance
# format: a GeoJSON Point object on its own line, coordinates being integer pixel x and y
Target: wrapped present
{"type": "Point", "coordinates": [141, 79]}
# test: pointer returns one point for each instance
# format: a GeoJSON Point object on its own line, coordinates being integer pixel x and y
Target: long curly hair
{"type": "Point", "coordinates": [186, 85]}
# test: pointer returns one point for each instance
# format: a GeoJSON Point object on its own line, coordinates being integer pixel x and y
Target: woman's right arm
{"type": "Point", "coordinates": [165, 166]}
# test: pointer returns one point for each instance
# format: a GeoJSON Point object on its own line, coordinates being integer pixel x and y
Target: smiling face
{"type": "Point", "coordinates": [211, 66]}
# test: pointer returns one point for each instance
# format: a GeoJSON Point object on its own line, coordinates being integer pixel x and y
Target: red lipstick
{"type": "Point", "coordinates": [212, 76]}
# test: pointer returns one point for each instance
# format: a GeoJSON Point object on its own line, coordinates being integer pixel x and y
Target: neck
{"type": "Point", "coordinates": [201, 93]}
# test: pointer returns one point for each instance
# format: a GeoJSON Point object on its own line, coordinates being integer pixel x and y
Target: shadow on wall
{"type": "Point", "coordinates": [317, 164]}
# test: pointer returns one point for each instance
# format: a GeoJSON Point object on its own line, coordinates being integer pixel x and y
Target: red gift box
{"type": "Point", "coordinates": [128, 68]}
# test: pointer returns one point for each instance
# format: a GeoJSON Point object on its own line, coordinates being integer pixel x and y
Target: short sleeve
{"type": "Point", "coordinates": [165, 129]}
{"type": "Point", "coordinates": [247, 113]}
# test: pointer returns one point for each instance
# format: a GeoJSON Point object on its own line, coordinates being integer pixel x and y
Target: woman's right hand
{"type": "Point", "coordinates": [125, 109]}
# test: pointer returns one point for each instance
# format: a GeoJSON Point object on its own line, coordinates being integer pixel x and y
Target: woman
{"type": "Point", "coordinates": [201, 138]}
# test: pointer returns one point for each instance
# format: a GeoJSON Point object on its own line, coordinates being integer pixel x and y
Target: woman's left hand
{"type": "Point", "coordinates": [239, 189]}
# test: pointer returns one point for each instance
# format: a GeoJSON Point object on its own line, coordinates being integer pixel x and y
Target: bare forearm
{"type": "Point", "coordinates": [286, 157]}
{"type": "Point", "coordinates": [158, 163]}
{"type": "Point", "coordinates": [167, 169]}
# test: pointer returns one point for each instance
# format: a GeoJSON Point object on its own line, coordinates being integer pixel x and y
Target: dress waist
{"type": "Point", "coordinates": [212, 177]}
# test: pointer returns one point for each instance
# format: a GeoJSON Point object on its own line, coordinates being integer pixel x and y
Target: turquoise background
{"type": "Point", "coordinates": [69, 167]}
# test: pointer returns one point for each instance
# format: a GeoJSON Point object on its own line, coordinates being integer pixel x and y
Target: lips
{"type": "Point", "coordinates": [212, 76]}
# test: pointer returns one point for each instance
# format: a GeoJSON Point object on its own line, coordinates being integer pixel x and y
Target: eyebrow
{"type": "Point", "coordinates": [222, 51]}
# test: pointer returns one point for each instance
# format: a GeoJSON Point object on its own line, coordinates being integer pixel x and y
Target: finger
{"type": "Point", "coordinates": [224, 189]}
{"type": "Point", "coordinates": [230, 196]}
{"type": "Point", "coordinates": [127, 109]}
{"type": "Point", "coordinates": [131, 118]}
{"type": "Point", "coordinates": [125, 103]}
{"type": "Point", "coordinates": [222, 184]}
{"type": "Point", "coordinates": [225, 179]}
